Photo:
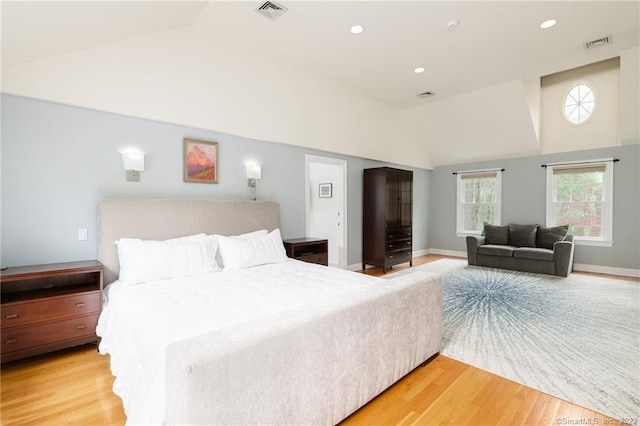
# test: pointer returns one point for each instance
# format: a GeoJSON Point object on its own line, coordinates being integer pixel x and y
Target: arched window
{"type": "Point", "coordinates": [579, 103]}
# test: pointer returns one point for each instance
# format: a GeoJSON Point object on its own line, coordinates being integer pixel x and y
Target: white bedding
{"type": "Point", "coordinates": [139, 322]}
{"type": "Point", "coordinates": [285, 343]}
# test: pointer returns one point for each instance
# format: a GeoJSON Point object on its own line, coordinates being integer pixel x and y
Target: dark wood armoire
{"type": "Point", "coordinates": [387, 217]}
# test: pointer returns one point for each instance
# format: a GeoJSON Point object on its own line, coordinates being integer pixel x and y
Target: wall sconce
{"type": "Point", "coordinates": [133, 164]}
{"type": "Point", "coordinates": [254, 173]}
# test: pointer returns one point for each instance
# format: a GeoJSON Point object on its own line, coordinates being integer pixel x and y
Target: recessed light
{"type": "Point", "coordinates": [357, 29]}
{"type": "Point", "coordinates": [548, 24]}
{"type": "Point", "coordinates": [419, 70]}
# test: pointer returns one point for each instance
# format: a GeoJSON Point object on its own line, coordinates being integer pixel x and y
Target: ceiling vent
{"type": "Point", "coordinates": [272, 10]}
{"type": "Point", "coordinates": [599, 42]}
{"type": "Point", "coordinates": [426, 94]}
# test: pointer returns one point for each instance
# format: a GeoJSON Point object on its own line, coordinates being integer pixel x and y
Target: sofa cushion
{"type": "Point", "coordinates": [547, 237]}
{"type": "Point", "coordinates": [496, 250]}
{"type": "Point", "coordinates": [522, 235]}
{"type": "Point", "coordinates": [495, 234]}
{"type": "Point", "coordinates": [533, 253]}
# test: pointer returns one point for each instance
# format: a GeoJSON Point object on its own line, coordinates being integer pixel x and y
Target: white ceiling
{"type": "Point", "coordinates": [494, 43]}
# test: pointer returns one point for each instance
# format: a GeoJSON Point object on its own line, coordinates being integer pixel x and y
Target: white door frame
{"type": "Point", "coordinates": [309, 158]}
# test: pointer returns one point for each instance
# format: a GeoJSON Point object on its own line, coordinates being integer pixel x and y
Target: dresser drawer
{"type": "Point", "coordinates": [398, 257]}
{"type": "Point", "coordinates": [320, 259]}
{"type": "Point", "coordinates": [310, 250]}
{"type": "Point", "coordinates": [397, 234]}
{"type": "Point", "coordinates": [53, 308]}
{"type": "Point", "coordinates": [398, 245]}
{"type": "Point", "coordinates": [20, 338]}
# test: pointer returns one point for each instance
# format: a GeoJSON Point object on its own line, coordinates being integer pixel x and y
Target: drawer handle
{"type": "Point", "coordinates": [391, 257]}
{"type": "Point", "coordinates": [390, 245]}
{"type": "Point", "coordinates": [408, 243]}
{"type": "Point", "coordinates": [80, 304]}
{"type": "Point", "coordinates": [10, 341]}
{"type": "Point", "coordinates": [391, 235]}
{"type": "Point", "coordinates": [11, 316]}
{"type": "Point", "coordinates": [80, 327]}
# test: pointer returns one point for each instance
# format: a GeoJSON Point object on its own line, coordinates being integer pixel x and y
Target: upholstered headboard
{"type": "Point", "coordinates": [163, 219]}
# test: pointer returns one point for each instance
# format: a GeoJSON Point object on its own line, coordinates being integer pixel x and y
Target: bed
{"type": "Point", "coordinates": [278, 342]}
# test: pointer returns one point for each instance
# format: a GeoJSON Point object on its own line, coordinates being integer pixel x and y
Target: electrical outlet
{"type": "Point", "coordinates": [82, 234]}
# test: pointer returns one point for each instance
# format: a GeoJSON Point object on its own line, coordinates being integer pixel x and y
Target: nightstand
{"type": "Point", "coordinates": [312, 250]}
{"type": "Point", "coordinates": [49, 307]}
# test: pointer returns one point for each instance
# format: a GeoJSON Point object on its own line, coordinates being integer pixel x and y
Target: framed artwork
{"type": "Point", "coordinates": [326, 190]}
{"type": "Point", "coordinates": [200, 161]}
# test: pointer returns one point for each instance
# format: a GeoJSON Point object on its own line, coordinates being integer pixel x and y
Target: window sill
{"type": "Point", "coordinates": [592, 243]}
{"type": "Point", "coordinates": [465, 234]}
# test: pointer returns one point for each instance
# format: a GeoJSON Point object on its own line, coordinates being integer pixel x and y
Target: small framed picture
{"type": "Point", "coordinates": [200, 161]}
{"type": "Point", "coordinates": [326, 190]}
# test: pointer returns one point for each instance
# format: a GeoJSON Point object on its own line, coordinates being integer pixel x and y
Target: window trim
{"type": "Point", "coordinates": [606, 240]}
{"type": "Point", "coordinates": [460, 231]}
{"type": "Point", "coordinates": [596, 101]}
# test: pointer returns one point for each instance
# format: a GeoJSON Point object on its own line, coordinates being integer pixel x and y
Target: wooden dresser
{"type": "Point", "coordinates": [387, 222]}
{"type": "Point", "coordinates": [49, 307]}
{"type": "Point", "coordinates": [311, 250]}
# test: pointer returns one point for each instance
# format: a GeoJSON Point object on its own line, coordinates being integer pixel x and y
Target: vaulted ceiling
{"type": "Point", "coordinates": [306, 80]}
{"type": "Point", "coordinates": [494, 42]}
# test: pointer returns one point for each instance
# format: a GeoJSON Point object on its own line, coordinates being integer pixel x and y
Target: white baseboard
{"type": "Point", "coordinates": [447, 252]}
{"type": "Point", "coordinates": [582, 267]}
{"type": "Point", "coordinates": [354, 267]}
{"type": "Point", "coordinates": [421, 252]}
{"type": "Point", "coordinates": [611, 270]}
{"type": "Point", "coordinates": [416, 253]}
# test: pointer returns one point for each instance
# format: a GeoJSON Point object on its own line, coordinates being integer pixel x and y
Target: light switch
{"type": "Point", "coordinates": [82, 234]}
{"type": "Point", "coordinates": [132, 175]}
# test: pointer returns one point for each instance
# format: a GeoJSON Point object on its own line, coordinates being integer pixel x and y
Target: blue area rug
{"type": "Point", "coordinates": [575, 338]}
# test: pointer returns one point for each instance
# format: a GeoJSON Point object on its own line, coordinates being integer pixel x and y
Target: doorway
{"type": "Point", "coordinates": [326, 205]}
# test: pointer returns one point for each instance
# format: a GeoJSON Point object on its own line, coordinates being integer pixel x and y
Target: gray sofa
{"type": "Point", "coordinates": [527, 248]}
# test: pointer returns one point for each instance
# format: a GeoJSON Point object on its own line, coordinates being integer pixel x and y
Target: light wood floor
{"type": "Point", "coordinates": [74, 387]}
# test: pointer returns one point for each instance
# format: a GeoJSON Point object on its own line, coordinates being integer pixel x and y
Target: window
{"type": "Point", "coordinates": [478, 200]}
{"type": "Point", "coordinates": [579, 103]}
{"type": "Point", "coordinates": [581, 195]}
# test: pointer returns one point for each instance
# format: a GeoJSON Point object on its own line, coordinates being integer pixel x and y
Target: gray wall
{"type": "Point", "coordinates": [58, 161]}
{"type": "Point", "coordinates": [524, 197]}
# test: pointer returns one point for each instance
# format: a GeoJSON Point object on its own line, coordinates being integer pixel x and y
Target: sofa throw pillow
{"type": "Point", "coordinates": [495, 234]}
{"type": "Point", "coordinates": [522, 235]}
{"type": "Point", "coordinates": [547, 237]}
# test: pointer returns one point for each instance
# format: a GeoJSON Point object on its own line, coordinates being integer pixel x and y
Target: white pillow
{"type": "Point", "coordinates": [142, 260]}
{"type": "Point", "coordinates": [253, 234]}
{"type": "Point", "coordinates": [237, 253]}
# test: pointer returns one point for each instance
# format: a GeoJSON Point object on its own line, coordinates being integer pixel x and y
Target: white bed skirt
{"type": "Point", "coordinates": [304, 368]}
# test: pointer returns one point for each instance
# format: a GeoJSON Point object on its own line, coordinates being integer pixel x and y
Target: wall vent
{"type": "Point", "coordinates": [599, 42]}
{"type": "Point", "coordinates": [272, 10]}
{"type": "Point", "coordinates": [426, 94]}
